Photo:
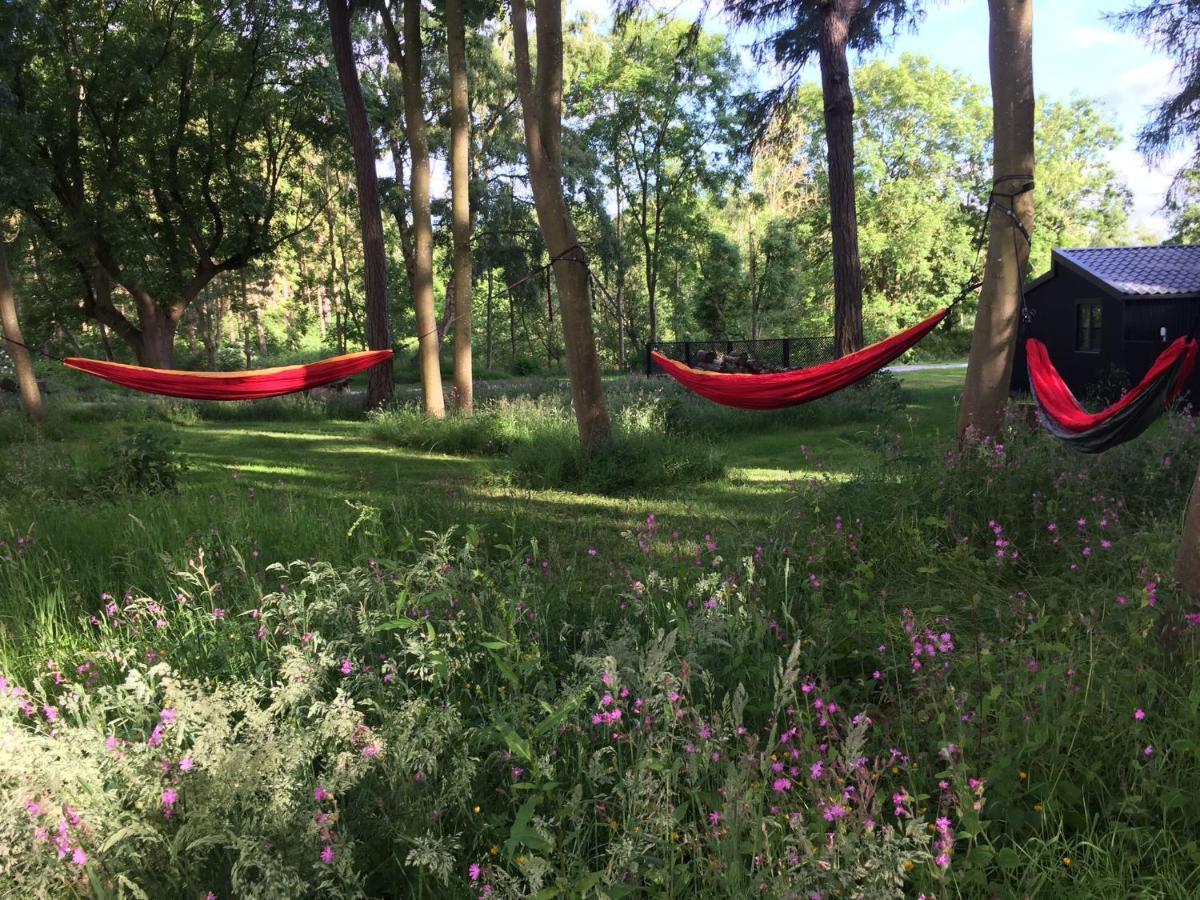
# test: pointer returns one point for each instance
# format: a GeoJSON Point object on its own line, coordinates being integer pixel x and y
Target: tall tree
{"type": "Point", "coordinates": [1183, 207]}
{"type": "Point", "coordinates": [1174, 26]}
{"type": "Point", "coordinates": [460, 215]}
{"type": "Point", "coordinates": [379, 336]}
{"type": "Point", "coordinates": [163, 143]}
{"type": "Point", "coordinates": [663, 110]}
{"type": "Point", "coordinates": [407, 57]}
{"type": "Point", "coordinates": [989, 367]}
{"type": "Point", "coordinates": [828, 29]}
{"type": "Point", "coordinates": [541, 104]}
{"type": "Point", "coordinates": [10, 330]}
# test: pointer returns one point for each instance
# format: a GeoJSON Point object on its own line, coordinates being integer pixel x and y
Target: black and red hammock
{"type": "Point", "coordinates": [778, 390]}
{"type": "Point", "coordinates": [1086, 432]}
{"type": "Point", "coordinates": [251, 385]}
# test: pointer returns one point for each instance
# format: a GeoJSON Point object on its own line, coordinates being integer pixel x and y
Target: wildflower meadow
{"type": "Point", "coordinates": [950, 674]}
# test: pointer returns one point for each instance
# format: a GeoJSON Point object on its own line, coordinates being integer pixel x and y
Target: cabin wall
{"type": "Point", "coordinates": [1143, 341]}
{"type": "Point", "coordinates": [1053, 303]}
{"type": "Point", "coordinates": [1130, 338]}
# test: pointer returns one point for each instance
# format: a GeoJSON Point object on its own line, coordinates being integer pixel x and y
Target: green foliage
{"type": "Point", "coordinates": [145, 461]}
{"type": "Point", "coordinates": [215, 108]}
{"type": "Point", "coordinates": [1183, 207]}
{"type": "Point", "coordinates": [1081, 199]}
{"type": "Point", "coordinates": [720, 281]}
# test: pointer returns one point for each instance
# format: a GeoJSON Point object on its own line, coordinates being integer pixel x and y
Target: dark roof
{"type": "Point", "coordinates": [1162, 271]}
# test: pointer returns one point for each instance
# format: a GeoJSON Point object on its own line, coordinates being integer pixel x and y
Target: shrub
{"type": "Point", "coordinates": [146, 462]}
{"type": "Point", "coordinates": [524, 366]}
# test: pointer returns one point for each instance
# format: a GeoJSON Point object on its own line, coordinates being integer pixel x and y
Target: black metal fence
{"type": "Point", "coordinates": [785, 353]}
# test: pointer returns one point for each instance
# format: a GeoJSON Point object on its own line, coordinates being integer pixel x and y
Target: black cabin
{"type": "Point", "coordinates": [1107, 312]}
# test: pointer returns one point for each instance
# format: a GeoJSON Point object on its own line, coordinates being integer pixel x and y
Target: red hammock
{"type": "Point", "coordinates": [781, 389]}
{"type": "Point", "coordinates": [253, 385]}
{"type": "Point", "coordinates": [1125, 419]}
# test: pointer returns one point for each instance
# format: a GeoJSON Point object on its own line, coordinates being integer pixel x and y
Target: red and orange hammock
{"type": "Point", "coordinates": [252, 385]}
{"type": "Point", "coordinates": [778, 390]}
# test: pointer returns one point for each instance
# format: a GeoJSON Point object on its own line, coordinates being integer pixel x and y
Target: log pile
{"type": "Point", "coordinates": [738, 362]}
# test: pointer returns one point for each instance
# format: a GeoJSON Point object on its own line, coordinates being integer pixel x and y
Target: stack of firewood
{"type": "Point", "coordinates": [738, 362]}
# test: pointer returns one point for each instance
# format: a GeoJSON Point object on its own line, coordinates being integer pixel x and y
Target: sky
{"type": "Point", "coordinates": [1076, 53]}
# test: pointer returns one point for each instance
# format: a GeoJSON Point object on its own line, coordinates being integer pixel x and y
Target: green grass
{"type": "Point", "coordinates": [833, 528]}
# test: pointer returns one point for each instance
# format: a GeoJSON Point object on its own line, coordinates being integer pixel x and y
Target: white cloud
{"type": "Point", "coordinates": [1148, 184]}
{"type": "Point", "coordinates": [1085, 37]}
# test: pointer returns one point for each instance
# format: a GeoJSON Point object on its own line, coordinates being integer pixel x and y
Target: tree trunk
{"type": "Point", "coordinates": [105, 342]}
{"type": "Point", "coordinates": [31, 395]}
{"type": "Point", "coordinates": [512, 329]}
{"type": "Point", "coordinates": [839, 138]}
{"type": "Point", "coordinates": [380, 383]}
{"type": "Point", "coordinates": [620, 298]}
{"type": "Point", "coordinates": [487, 352]}
{"type": "Point", "coordinates": [541, 105]}
{"type": "Point", "coordinates": [1187, 563]}
{"type": "Point", "coordinates": [155, 343]}
{"type": "Point", "coordinates": [460, 216]}
{"type": "Point", "coordinates": [408, 60]}
{"type": "Point", "coordinates": [989, 367]}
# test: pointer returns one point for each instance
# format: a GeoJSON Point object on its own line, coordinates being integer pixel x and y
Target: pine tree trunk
{"type": "Point", "coordinates": [1187, 563]}
{"type": "Point", "coordinates": [380, 382]}
{"type": "Point", "coordinates": [839, 137]}
{"type": "Point", "coordinates": [542, 110]}
{"type": "Point", "coordinates": [989, 367]}
{"type": "Point", "coordinates": [31, 395]}
{"type": "Point", "coordinates": [460, 143]}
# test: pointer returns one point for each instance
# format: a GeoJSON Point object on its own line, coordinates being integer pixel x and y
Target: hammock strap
{"type": "Point", "coordinates": [49, 356]}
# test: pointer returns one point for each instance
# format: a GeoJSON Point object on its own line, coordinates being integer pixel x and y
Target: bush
{"type": "Point", "coordinates": [146, 462]}
{"type": "Point", "coordinates": [524, 366]}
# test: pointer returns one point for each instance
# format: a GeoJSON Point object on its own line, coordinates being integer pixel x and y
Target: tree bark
{"type": "Point", "coordinates": [541, 106]}
{"type": "Point", "coordinates": [1187, 563]}
{"type": "Point", "coordinates": [989, 367]}
{"type": "Point", "coordinates": [620, 286]}
{"type": "Point", "coordinates": [155, 342]}
{"type": "Point", "coordinates": [487, 353]}
{"type": "Point", "coordinates": [460, 213]}
{"type": "Point", "coordinates": [409, 60]}
{"type": "Point", "coordinates": [839, 138]}
{"type": "Point", "coordinates": [10, 328]}
{"type": "Point", "coordinates": [380, 382]}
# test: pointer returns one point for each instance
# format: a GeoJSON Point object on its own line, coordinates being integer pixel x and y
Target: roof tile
{"type": "Point", "coordinates": [1162, 271]}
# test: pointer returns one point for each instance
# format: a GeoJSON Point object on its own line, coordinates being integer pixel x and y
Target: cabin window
{"type": "Point", "coordinates": [1087, 327]}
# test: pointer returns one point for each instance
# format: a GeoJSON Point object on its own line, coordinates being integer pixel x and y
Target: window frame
{"type": "Point", "coordinates": [1095, 326]}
